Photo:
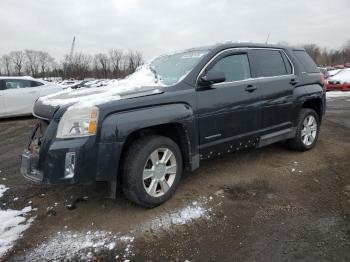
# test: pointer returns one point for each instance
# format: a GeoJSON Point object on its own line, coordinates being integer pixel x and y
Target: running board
{"type": "Point", "coordinates": [276, 137]}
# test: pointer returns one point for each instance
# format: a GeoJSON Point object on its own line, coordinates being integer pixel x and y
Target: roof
{"type": "Point", "coordinates": [17, 77]}
{"type": "Point", "coordinates": [231, 44]}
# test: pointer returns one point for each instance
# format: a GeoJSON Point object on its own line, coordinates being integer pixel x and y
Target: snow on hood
{"type": "Point", "coordinates": [342, 76]}
{"type": "Point", "coordinates": [86, 97]}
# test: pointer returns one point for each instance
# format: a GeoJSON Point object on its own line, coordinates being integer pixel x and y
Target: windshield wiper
{"type": "Point", "coordinates": [155, 73]}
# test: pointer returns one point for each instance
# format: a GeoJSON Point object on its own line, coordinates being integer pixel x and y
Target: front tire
{"type": "Point", "coordinates": [307, 130]}
{"type": "Point", "coordinates": [151, 170]}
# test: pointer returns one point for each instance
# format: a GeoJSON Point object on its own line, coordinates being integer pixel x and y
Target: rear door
{"type": "Point", "coordinates": [276, 79]}
{"type": "Point", "coordinates": [19, 96]}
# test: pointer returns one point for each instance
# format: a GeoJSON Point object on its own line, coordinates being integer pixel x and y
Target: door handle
{"type": "Point", "coordinates": [294, 81]}
{"type": "Point", "coordinates": [250, 88]}
{"type": "Point", "coordinates": [32, 92]}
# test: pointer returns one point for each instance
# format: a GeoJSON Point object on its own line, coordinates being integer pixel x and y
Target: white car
{"type": "Point", "coordinates": [18, 94]}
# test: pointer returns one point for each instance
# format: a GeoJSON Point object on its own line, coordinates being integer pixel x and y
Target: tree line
{"type": "Point", "coordinates": [326, 57]}
{"type": "Point", "coordinates": [116, 63]}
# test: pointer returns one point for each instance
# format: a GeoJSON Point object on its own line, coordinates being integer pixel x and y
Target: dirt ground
{"type": "Point", "coordinates": [270, 204]}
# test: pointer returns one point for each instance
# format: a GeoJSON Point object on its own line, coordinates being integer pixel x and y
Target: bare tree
{"type": "Point", "coordinates": [32, 63]}
{"type": "Point", "coordinates": [7, 64]}
{"type": "Point", "coordinates": [81, 64]}
{"type": "Point", "coordinates": [133, 60]}
{"type": "Point", "coordinates": [45, 61]}
{"type": "Point", "coordinates": [116, 57]}
{"type": "Point", "coordinates": [102, 64]}
{"type": "Point", "coordinates": [17, 58]}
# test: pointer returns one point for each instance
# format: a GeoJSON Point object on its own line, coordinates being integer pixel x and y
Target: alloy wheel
{"type": "Point", "coordinates": [159, 172]}
{"type": "Point", "coordinates": [309, 131]}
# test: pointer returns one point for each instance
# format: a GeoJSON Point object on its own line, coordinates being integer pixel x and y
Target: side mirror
{"type": "Point", "coordinates": [212, 77]}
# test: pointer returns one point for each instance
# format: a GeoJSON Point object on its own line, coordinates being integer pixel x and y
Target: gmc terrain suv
{"type": "Point", "coordinates": [171, 114]}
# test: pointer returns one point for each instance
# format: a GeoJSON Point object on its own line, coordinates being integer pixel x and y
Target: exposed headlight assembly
{"type": "Point", "coordinates": [78, 122]}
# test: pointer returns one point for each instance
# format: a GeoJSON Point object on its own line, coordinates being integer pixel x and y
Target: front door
{"type": "Point", "coordinates": [228, 112]}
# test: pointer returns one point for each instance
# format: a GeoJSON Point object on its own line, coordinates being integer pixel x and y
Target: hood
{"type": "Point", "coordinates": [141, 83]}
{"type": "Point", "coordinates": [343, 76]}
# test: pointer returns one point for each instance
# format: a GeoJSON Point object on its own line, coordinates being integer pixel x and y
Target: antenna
{"type": "Point", "coordinates": [268, 37]}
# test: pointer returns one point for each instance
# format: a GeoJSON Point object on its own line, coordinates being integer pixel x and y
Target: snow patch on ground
{"type": "Point", "coordinates": [2, 190]}
{"type": "Point", "coordinates": [12, 225]}
{"type": "Point", "coordinates": [188, 214]}
{"type": "Point", "coordinates": [89, 246]}
{"type": "Point", "coordinates": [335, 94]}
{"type": "Point", "coordinates": [79, 246]}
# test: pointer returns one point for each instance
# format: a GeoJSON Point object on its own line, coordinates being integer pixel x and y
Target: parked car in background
{"type": "Point", "coordinates": [18, 94]}
{"type": "Point", "coordinates": [69, 83]}
{"type": "Point", "coordinates": [339, 81]}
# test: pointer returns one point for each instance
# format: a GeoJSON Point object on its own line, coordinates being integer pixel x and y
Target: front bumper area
{"type": "Point", "coordinates": [29, 167]}
{"type": "Point", "coordinates": [92, 161]}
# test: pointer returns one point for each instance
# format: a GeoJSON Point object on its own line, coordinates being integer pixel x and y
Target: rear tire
{"type": "Point", "coordinates": [307, 130]}
{"type": "Point", "coordinates": [151, 170]}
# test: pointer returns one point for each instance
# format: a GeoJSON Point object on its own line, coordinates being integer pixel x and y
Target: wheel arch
{"type": "Point", "coordinates": [175, 121]}
{"type": "Point", "coordinates": [315, 104]}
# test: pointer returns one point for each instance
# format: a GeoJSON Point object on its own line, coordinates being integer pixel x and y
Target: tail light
{"type": "Point", "coordinates": [324, 81]}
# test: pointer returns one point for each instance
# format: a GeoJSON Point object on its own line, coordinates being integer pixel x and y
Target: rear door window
{"type": "Point", "coordinates": [16, 83]}
{"type": "Point", "coordinates": [235, 67]}
{"type": "Point", "coordinates": [306, 61]}
{"type": "Point", "coordinates": [269, 63]}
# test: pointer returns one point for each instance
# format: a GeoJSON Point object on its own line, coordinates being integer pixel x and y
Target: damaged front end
{"type": "Point", "coordinates": [30, 167]}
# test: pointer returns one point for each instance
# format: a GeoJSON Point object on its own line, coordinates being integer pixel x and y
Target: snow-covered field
{"type": "Point", "coordinates": [336, 94]}
{"type": "Point", "coordinates": [12, 225]}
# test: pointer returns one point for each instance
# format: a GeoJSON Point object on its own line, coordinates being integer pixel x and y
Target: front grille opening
{"type": "Point", "coordinates": [37, 136]}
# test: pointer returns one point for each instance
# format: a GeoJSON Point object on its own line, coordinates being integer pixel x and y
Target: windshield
{"type": "Point", "coordinates": [170, 69]}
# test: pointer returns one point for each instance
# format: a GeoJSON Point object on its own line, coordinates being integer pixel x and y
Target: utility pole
{"type": "Point", "coordinates": [268, 37]}
{"type": "Point", "coordinates": [70, 59]}
{"type": "Point", "coordinates": [71, 51]}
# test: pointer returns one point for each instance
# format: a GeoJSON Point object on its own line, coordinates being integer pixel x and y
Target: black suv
{"type": "Point", "coordinates": [200, 103]}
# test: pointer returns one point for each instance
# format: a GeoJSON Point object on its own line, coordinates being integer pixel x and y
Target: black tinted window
{"type": "Point", "coordinates": [306, 61]}
{"type": "Point", "coordinates": [269, 63]}
{"type": "Point", "coordinates": [35, 83]}
{"type": "Point", "coordinates": [235, 67]}
{"type": "Point", "coordinates": [16, 83]}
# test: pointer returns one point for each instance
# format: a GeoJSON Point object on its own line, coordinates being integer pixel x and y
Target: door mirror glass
{"type": "Point", "coordinates": [212, 77]}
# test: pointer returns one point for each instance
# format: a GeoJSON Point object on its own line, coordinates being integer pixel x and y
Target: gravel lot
{"type": "Point", "coordinates": [270, 204]}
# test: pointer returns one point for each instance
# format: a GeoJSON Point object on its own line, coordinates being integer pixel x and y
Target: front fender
{"type": "Point", "coordinates": [116, 127]}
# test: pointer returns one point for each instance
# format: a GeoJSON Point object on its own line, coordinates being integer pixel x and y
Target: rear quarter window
{"type": "Point", "coordinates": [35, 83]}
{"type": "Point", "coordinates": [306, 61]}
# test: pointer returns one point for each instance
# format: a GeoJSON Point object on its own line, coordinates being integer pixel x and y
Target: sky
{"type": "Point", "coordinates": [154, 27]}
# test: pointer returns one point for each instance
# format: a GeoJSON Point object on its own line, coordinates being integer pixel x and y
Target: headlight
{"type": "Point", "coordinates": [78, 122]}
